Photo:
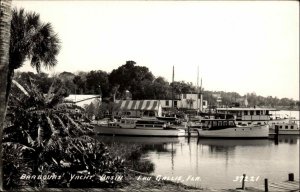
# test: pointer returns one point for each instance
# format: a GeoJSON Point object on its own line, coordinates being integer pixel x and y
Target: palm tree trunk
{"type": "Point", "coordinates": [5, 19]}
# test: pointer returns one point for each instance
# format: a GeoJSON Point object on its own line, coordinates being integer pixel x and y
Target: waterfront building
{"type": "Point", "coordinates": [189, 101]}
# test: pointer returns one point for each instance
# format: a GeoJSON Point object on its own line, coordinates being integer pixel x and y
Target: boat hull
{"type": "Point", "coordinates": [139, 131]}
{"type": "Point", "coordinates": [237, 132]}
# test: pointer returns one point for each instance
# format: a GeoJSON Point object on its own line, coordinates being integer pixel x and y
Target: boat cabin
{"type": "Point", "coordinates": [291, 125]}
{"type": "Point", "coordinates": [140, 123]}
{"type": "Point", "coordinates": [248, 114]}
{"type": "Point", "coordinates": [216, 124]}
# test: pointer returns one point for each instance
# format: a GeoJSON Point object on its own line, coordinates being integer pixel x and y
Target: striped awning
{"type": "Point", "coordinates": [142, 105]}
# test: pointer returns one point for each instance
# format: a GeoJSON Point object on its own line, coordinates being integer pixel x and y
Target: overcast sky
{"type": "Point", "coordinates": [239, 46]}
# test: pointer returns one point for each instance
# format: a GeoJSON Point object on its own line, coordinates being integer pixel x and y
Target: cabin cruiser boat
{"type": "Point", "coordinates": [138, 127]}
{"type": "Point", "coordinates": [226, 128]}
{"type": "Point", "coordinates": [249, 115]}
{"type": "Point", "coordinates": [290, 128]}
{"type": "Point", "coordinates": [257, 116]}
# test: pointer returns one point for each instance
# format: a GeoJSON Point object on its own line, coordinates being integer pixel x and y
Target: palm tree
{"type": "Point", "coordinates": [5, 18]}
{"type": "Point", "coordinates": [23, 36]}
{"type": "Point", "coordinates": [33, 40]}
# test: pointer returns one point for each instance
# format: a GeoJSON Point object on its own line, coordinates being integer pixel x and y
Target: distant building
{"type": "Point", "coordinates": [186, 101]}
{"type": "Point", "coordinates": [167, 104]}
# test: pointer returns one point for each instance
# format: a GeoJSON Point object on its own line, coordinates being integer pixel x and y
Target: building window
{"type": "Point", "coordinates": [199, 96]}
{"type": "Point", "coordinates": [251, 113]}
{"type": "Point", "coordinates": [184, 96]}
{"type": "Point", "coordinates": [286, 127]}
{"type": "Point", "coordinates": [257, 112]}
{"type": "Point", "coordinates": [203, 103]}
{"type": "Point", "coordinates": [167, 103]}
{"type": "Point", "coordinates": [292, 127]}
{"type": "Point", "coordinates": [245, 112]}
{"type": "Point", "coordinates": [175, 103]}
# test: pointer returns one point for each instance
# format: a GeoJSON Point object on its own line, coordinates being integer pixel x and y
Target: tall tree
{"type": "Point", "coordinates": [33, 40]}
{"type": "Point", "coordinates": [80, 84]}
{"type": "Point", "coordinates": [129, 77]}
{"type": "Point", "coordinates": [5, 22]}
{"type": "Point", "coordinates": [162, 89]}
{"type": "Point", "coordinates": [97, 83]}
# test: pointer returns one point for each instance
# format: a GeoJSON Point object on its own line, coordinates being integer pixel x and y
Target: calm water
{"type": "Point", "coordinates": [217, 163]}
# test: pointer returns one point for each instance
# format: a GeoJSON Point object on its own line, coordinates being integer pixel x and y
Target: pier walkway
{"type": "Point", "coordinates": [281, 186]}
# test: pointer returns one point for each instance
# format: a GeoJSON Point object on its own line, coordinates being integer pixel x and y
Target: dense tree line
{"type": "Point", "coordinates": [235, 99]}
{"type": "Point", "coordinates": [140, 83]}
{"type": "Point", "coordinates": [138, 80]}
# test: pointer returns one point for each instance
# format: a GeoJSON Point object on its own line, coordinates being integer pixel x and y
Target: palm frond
{"type": "Point", "coordinates": [20, 87]}
{"type": "Point", "coordinates": [53, 130]}
{"type": "Point", "coordinates": [72, 122]}
{"type": "Point", "coordinates": [17, 148]}
{"type": "Point", "coordinates": [50, 93]}
{"type": "Point", "coordinates": [40, 137]}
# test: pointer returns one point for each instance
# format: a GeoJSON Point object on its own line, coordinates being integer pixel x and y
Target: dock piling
{"type": "Point", "coordinates": [291, 176]}
{"type": "Point", "coordinates": [243, 182]}
{"type": "Point", "coordinates": [266, 185]}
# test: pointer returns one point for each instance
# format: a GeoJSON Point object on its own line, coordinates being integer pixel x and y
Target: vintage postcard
{"type": "Point", "coordinates": [150, 95]}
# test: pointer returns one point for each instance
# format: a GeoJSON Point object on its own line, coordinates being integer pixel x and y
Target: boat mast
{"type": "Point", "coordinates": [201, 97]}
{"type": "Point", "coordinates": [197, 89]}
{"type": "Point", "coordinates": [173, 89]}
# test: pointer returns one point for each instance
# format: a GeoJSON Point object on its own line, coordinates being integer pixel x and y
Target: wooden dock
{"type": "Point", "coordinates": [291, 186]}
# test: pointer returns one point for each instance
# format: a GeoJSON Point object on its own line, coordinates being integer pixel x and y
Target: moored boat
{"type": "Point", "coordinates": [226, 128]}
{"type": "Point", "coordinates": [138, 127]}
{"type": "Point", "coordinates": [254, 115]}
{"type": "Point", "coordinates": [290, 128]}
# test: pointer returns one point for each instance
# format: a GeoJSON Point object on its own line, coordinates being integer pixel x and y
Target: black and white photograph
{"type": "Point", "coordinates": [196, 96]}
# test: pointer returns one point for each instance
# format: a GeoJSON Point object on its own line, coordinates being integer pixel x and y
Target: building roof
{"type": "Point", "coordinates": [82, 100]}
{"type": "Point", "coordinates": [138, 105]}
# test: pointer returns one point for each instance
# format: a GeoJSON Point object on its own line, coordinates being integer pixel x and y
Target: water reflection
{"type": "Point", "coordinates": [231, 143]}
{"type": "Point", "coordinates": [290, 139]}
{"type": "Point", "coordinates": [139, 140]}
{"type": "Point", "coordinates": [149, 144]}
{"type": "Point", "coordinates": [219, 161]}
